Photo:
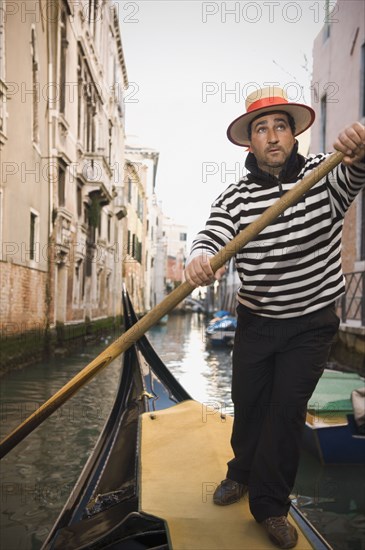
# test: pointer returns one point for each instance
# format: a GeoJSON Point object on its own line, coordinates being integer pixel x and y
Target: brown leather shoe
{"type": "Point", "coordinates": [228, 492]}
{"type": "Point", "coordinates": [280, 531]}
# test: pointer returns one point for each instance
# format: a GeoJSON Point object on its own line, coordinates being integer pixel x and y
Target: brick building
{"type": "Point", "coordinates": [62, 147]}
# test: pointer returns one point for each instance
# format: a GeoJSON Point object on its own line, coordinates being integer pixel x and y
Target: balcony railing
{"type": "Point", "coordinates": [352, 303]}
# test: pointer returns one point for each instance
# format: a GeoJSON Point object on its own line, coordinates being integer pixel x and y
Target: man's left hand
{"type": "Point", "coordinates": [351, 142]}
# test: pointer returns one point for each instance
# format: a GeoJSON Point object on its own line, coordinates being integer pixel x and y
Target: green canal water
{"type": "Point", "coordinates": [39, 474]}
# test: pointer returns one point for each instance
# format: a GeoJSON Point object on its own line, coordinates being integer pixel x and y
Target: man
{"type": "Point", "coordinates": [290, 278]}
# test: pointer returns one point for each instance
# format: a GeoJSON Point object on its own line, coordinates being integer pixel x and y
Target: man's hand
{"type": "Point", "coordinates": [199, 272]}
{"type": "Point", "coordinates": [351, 142]}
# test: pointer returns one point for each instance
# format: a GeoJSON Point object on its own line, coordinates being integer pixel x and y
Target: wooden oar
{"type": "Point", "coordinates": [133, 334]}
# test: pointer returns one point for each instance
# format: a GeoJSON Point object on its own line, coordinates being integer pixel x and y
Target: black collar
{"type": "Point", "coordinates": [288, 174]}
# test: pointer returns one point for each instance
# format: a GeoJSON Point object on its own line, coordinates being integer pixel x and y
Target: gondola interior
{"type": "Point", "coordinates": [142, 485]}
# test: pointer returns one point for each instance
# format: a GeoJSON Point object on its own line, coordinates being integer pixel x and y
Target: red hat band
{"type": "Point", "coordinates": [266, 102]}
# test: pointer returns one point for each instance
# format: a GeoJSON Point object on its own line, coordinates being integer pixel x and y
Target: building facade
{"type": "Point", "coordinates": [25, 196]}
{"type": "Point", "coordinates": [134, 252]}
{"type": "Point", "coordinates": [143, 162]}
{"type": "Point", "coordinates": [338, 89]}
{"type": "Point", "coordinates": [62, 147]}
{"type": "Point", "coordinates": [176, 237]}
{"type": "Point", "coordinates": [338, 97]}
{"type": "Point", "coordinates": [158, 253]}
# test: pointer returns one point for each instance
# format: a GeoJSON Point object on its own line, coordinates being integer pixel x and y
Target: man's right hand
{"type": "Point", "coordinates": [351, 142]}
{"type": "Point", "coordinates": [199, 272]}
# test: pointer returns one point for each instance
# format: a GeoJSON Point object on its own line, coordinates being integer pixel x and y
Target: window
{"type": "Point", "coordinates": [79, 97]}
{"type": "Point", "coordinates": [129, 190]}
{"type": "Point", "coordinates": [100, 222]}
{"type": "Point", "coordinates": [33, 234]}
{"type": "Point", "coordinates": [87, 105]}
{"type": "Point", "coordinates": [79, 199]}
{"type": "Point", "coordinates": [129, 242]}
{"type": "Point", "coordinates": [93, 15]}
{"type": "Point", "coordinates": [110, 218]}
{"type": "Point", "coordinates": [110, 142]}
{"type": "Point", "coordinates": [99, 277]}
{"type": "Point", "coordinates": [63, 58]}
{"type": "Point", "coordinates": [61, 184]}
{"type": "Point", "coordinates": [136, 251]}
{"type": "Point", "coordinates": [79, 283]}
{"type": "Point", "coordinates": [86, 214]}
{"type": "Point", "coordinates": [183, 236]}
{"type": "Point", "coordinates": [327, 21]}
{"type": "Point", "coordinates": [323, 122]}
{"type": "Point", "coordinates": [107, 289]}
{"type": "Point", "coordinates": [138, 255]}
{"type": "Point", "coordinates": [140, 207]}
{"type": "Point", "coordinates": [90, 122]}
{"type": "Point", "coordinates": [35, 88]}
{"type": "Point", "coordinates": [135, 247]}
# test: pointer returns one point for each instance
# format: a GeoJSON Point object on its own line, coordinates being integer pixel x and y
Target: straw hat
{"type": "Point", "coordinates": [268, 100]}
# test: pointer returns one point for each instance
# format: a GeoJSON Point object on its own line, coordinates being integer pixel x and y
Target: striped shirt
{"type": "Point", "coordinates": [293, 267]}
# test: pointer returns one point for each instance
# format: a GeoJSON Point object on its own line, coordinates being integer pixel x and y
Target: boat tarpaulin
{"type": "Point", "coordinates": [184, 454]}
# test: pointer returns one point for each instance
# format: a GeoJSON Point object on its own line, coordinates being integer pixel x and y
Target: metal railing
{"type": "Point", "coordinates": [352, 303]}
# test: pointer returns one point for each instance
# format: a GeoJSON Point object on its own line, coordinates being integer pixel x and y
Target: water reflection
{"type": "Point", "coordinates": [333, 499]}
{"type": "Point", "coordinates": [39, 474]}
{"type": "Point", "coordinates": [204, 371]}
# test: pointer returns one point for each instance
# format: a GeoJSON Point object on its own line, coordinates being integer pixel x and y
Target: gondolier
{"type": "Point", "coordinates": [290, 278]}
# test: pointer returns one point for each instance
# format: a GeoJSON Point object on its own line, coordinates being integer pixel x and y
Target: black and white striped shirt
{"type": "Point", "coordinates": [294, 265]}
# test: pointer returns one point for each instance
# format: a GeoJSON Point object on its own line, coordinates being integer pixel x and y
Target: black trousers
{"type": "Point", "coordinates": [276, 366]}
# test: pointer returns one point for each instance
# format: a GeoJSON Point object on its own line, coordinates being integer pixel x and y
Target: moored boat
{"type": "Point", "coordinates": [222, 331]}
{"type": "Point", "coordinates": [148, 482]}
{"type": "Point", "coordinates": [331, 433]}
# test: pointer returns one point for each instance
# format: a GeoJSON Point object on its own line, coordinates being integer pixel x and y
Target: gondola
{"type": "Point", "coordinates": [147, 482]}
{"type": "Point", "coordinates": [331, 433]}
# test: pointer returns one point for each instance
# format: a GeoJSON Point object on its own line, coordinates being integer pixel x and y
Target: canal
{"type": "Point", "coordinates": [38, 475]}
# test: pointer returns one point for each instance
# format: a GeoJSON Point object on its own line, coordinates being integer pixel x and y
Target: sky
{"type": "Point", "coordinates": [190, 66]}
